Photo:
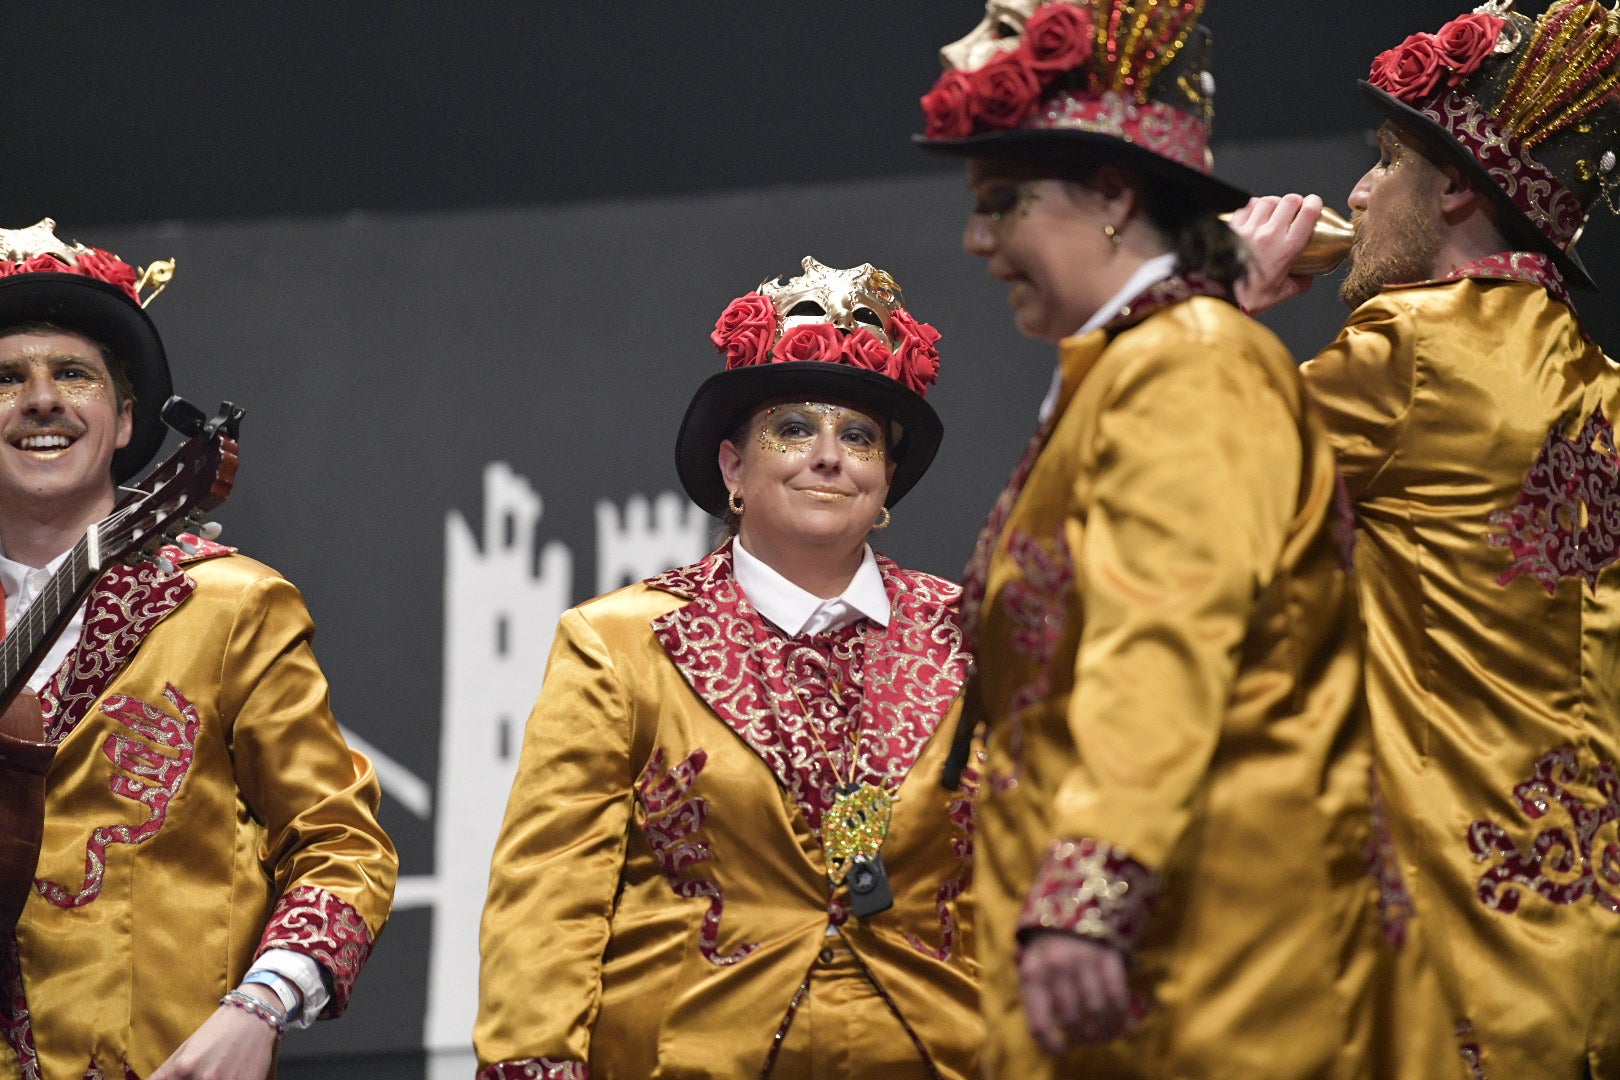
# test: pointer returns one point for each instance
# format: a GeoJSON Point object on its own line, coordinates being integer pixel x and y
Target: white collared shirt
{"type": "Point", "coordinates": [798, 613]}
{"type": "Point", "coordinates": [1149, 273]}
{"type": "Point", "coordinates": [23, 585]}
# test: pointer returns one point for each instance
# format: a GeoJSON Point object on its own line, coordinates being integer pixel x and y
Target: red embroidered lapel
{"type": "Point", "coordinates": [739, 665]}
{"type": "Point", "coordinates": [1518, 266]}
{"type": "Point", "coordinates": [122, 609]}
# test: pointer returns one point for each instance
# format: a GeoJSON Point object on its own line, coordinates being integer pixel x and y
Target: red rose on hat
{"type": "Point", "coordinates": [105, 266]}
{"type": "Point", "coordinates": [1058, 37]}
{"type": "Point", "coordinates": [918, 360]}
{"type": "Point", "coordinates": [746, 330]}
{"type": "Point", "coordinates": [1006, 90]}
{"type": "Point", "coordinates": [863, 349]}
{"type": "Point", "coordinates": [43, 264]}
{"type": "Point", "coordinates": [1466, 42]}
{"type": "Point", "coordinates": [948, 107]}
{"type": "Point", "coordinates": [1412, 70]}
{"type": "Point", "coordinates": [813, 341]}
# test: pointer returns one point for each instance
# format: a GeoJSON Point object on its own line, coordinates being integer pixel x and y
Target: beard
{"type": "Point", "coordinates": [1402, 250]}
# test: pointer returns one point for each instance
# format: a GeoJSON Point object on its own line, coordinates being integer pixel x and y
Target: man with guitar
{"type": "Point", "coordinates": [190, 860]}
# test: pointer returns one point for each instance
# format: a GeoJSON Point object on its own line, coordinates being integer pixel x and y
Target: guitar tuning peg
{"type": "Point", "coordinates": [210, 530]}
{"type": "Point", "coordinates": [186, 545]}
{"type": "Point", "coordinates": [164, 565]}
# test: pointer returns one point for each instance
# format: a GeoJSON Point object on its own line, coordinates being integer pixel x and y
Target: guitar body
{"type": "Point", "coordinates": [24, 760]}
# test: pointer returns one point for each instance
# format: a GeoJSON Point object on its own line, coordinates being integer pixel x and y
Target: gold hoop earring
{"type": "Point", "coordinates": [1113, 235]}
{"type": "Point", "coordinates": [883, 522]}
{"type": "Point", "coordinates": [734, 503]}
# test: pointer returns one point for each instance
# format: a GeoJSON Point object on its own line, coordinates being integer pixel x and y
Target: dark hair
{"type": "Point", "coordinates": [1201, 241]}
{"type": "Point", "coordinates": [123, 389]}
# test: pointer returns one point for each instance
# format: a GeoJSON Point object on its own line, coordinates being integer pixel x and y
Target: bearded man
{"type": "Point", "coordinates": [1472, 417]}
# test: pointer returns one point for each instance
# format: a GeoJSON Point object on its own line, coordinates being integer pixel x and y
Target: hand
{"type": "Point", "coordinates": [1074, 991]}
{"type": "Point", "coordinates": [231, 1045]}
{"type": "Point", "coordinates": [1275, 228]}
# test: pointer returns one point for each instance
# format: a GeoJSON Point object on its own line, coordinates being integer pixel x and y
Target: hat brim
{"type": "Point", "coordinates": [1440, 144]}
{"type": "Point", "coordinates": [106, 314]}
{"type": "Point", "coordinates": [1070, 149]}
{"type": "Point", "coordinates": [725, 400]}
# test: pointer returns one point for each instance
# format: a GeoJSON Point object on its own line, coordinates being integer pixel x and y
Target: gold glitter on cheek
{"type": "Point", "coordinates": [83, 392]}
{"type": "Point", "coordinates": [776, 444]}
{"type": "Point", "coordinates": [863, 453]}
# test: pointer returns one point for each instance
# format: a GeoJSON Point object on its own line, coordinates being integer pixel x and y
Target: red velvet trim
{"type": "Point", "coordinates": [1561, 865]}
{"type": "Point", "coordinates": [312, 921]}
{"type": "Point", "coordinates": [144, 776]}
{"type": "Point", "coordinates": [545, 1068]}
{"type": "Point", "coordinates": [1168, 132]}
{"type": "Point", "coordinates": [1537, 192]}
{"type": "Point", "coordinates": [963, 813]}
{"type": "Point", "coordinates": [893, 685]}
{"type": "Point", "coordinates": [1470, 1050]}
{"type": "Point", "coordinates": [782, 1029]}
{"type": "Point", "coordinates": [1094, 889]}
{"type": "Point", "coordinates": [16, 1023]}
{"type": "Point", "coordinates": [671, 819]}
{"type": "Point", "coordinates": [1528, 266]}
{"type": "Point", "coordinates": [1566, 522]}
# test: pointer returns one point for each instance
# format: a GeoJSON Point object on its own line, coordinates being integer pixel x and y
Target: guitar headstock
{"type": "Point", "coordinates": [195, 479]}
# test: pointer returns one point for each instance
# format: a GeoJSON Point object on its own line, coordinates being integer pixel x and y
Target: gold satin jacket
{"type": "Point", "coordinates": [1169, 668]}
{"type": "Point", "coordinates": [658, 895]}
{"type": "Point", "coordinates": [202, 807]}
{"type": "Point", "coordinates": [1473, 424]}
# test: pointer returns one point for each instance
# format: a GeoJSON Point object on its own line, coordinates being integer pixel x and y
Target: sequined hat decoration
{"type": "Point", "coordinates": [826, 334]}
{"type": "Point", "coordinates": [1076, 82]}
{"type": "Point", "coordinates": [1528, 108]}
{"type": "Point", "coordinates": [90, 291]}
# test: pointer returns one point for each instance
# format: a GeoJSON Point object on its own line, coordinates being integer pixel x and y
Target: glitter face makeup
{"type": "Point", "coordinates": [793, 429]}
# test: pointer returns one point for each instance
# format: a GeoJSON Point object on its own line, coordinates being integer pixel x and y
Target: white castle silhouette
{"type": "Point", "coordinates": [502, 600]}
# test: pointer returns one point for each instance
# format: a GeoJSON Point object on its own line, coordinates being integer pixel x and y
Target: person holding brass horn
{"type": "Point", "coordinates": [726, 852]}
{"type": "Point", "coordinates": [1473, 418]}
{"type": "Point", "coordinates": [1174, 811]}
{"type": "Point", "coordinates": [211, 871]}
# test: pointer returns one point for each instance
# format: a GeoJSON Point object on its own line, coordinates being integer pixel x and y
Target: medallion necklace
{"type": "Point", "coordinates": [854, 826]}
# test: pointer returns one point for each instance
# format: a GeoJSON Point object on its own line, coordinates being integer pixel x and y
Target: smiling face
{"type": "Point", "coordinates": [812, 476]}
{"type": "Point", "coordinates": [1045, 239]}
{"type": "Point", "coordinates": [60, 423]}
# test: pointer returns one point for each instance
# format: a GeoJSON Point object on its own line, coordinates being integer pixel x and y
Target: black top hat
{"type": "Point", "coordinates": [827, 335]}
{"type": "Point", "coordinates": [95, 295]}
{"type": "Point", "coordinates": [1541, 148]}
{"type": "Point", "coordinates": [1061, 94]}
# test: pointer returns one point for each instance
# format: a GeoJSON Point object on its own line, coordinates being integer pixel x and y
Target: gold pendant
{"type": "Point", "coordinates": [854, 826]}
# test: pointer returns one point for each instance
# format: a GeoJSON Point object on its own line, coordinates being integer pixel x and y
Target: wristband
{"type": "Point", "coordinates": [241, 999]}
{"type": "Point", "coordinates": [281, 986]}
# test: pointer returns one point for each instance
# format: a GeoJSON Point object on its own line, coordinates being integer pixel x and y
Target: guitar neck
{"type": "Point", "coordinates": [27, 642]}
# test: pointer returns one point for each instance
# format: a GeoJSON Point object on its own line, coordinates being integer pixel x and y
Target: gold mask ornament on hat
{"type": "Point", "coordinates": [37, 249]}
{"type": "Point", "coordinates": [862, 297]}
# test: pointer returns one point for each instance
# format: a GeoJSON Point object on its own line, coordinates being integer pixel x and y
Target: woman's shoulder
{"type": "Point", "coordinates": [919, 585]}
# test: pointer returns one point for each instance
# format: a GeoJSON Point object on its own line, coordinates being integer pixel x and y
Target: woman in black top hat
{"type": "Point", "coordinates": [726, 852]}
{"type": "Point", "coordinates": [1174, 802]}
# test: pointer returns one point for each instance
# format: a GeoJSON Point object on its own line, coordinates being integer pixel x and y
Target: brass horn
{"type": "Point", "coordinates": [1328, 247]}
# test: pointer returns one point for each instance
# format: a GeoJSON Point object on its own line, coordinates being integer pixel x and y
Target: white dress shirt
{"type": "Point", "coordinates": [798, 613]}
